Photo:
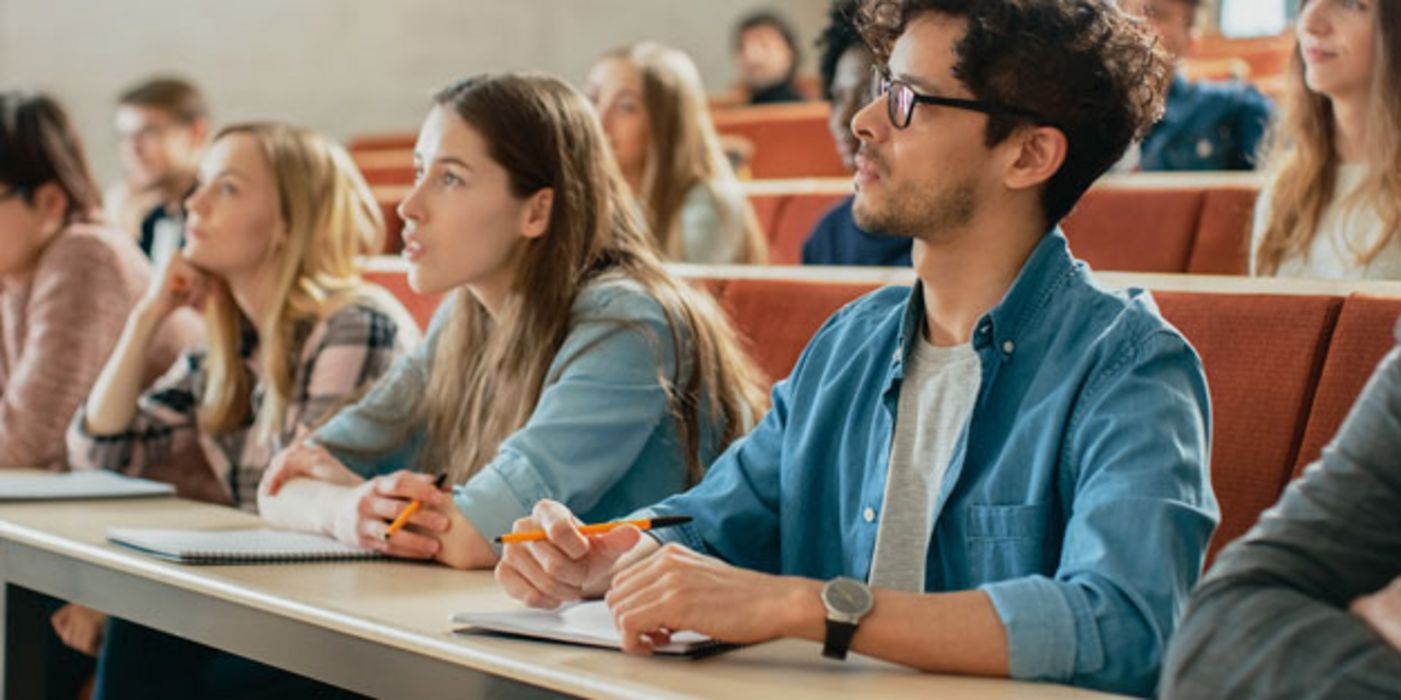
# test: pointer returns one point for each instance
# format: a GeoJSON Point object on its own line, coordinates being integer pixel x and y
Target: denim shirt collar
{"type": "Point", "coordinates": [1045, 271]}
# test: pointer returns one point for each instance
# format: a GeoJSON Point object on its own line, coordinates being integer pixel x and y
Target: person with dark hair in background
{"type": "Point", "coordinates": [845, 66]}
{"type": "Point", "coordinates": [162, 127]}
{"type": "Point", "coordinates": [1002, 471]}
{"type": "Point", "coordinates": [768, 53]}
{"type": "Point", "coordinates": [1207, 125]}
{"type": "Point", "coordinates": [66, 285]}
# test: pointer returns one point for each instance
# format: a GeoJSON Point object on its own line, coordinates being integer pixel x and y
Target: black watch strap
{"type": "Point", "coordinates": [838, 640]}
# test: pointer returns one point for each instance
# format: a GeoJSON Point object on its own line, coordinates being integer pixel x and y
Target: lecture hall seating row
{"type": "Point", "coordinates": [1284, 359]}
{"type": "Point", "coordinates": [1140, 223]}
{"type": "Point", "coordinates": [778, 141]}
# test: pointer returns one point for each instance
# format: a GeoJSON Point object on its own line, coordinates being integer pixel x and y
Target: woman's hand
{"type": "Point", "coordinates": [365, 512]}
{"type": "Point", "coordinates": [178, 283]}
{"type": "Point", "coordinates": [305, 461]}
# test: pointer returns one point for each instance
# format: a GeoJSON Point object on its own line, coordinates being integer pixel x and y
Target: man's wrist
{"type": "Point", "coordinates": [802, 612]}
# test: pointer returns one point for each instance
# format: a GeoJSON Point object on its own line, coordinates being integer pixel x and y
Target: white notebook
{"type": "Point", "coordinates": [250, 546]}
{"type": "Point", "coordinates": [587, 624]}
{"type": "Point", "coordinates": [79, 486]}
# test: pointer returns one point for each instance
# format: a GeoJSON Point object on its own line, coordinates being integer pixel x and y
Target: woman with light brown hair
{"type": "Point", "coordinates": [567, 363]}
{"type": "Point", "coordinates": [653, 109]}
{"type": "Point", "coordinates": [1333, 206]}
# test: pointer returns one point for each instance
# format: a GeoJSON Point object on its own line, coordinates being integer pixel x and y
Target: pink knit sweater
{"type": "Point", "coordinates": [58, 323]}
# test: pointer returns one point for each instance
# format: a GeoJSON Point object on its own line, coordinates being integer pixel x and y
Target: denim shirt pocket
{"type": "Point", "coordinates": [1007, 541]}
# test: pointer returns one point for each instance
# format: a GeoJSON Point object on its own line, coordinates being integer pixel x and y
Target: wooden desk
{"type": "Point", "coordinates": [382, 628]}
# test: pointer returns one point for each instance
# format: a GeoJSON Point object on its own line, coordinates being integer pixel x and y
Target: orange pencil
{"type": "Point", "coordinates": [643, 524]}
{"type": "Point", "coordinates": [414, 507]}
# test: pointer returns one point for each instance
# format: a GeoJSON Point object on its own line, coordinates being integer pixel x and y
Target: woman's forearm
{"type": "Point", "coordinates": [111, 406]}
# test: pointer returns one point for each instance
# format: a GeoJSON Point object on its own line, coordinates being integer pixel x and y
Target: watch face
{"type": "Point", "coordinates": [847, 597]}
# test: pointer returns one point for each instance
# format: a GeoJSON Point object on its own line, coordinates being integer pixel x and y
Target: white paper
{"type": "Point", "coordinates": [589, 623]}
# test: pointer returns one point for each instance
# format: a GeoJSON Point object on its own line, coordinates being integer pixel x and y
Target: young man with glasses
{"type": "Point", "coordinates": [1002, 471]}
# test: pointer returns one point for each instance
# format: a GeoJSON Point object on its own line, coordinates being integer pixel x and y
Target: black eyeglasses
{"type": "Point", "coordinates": [901, 99]}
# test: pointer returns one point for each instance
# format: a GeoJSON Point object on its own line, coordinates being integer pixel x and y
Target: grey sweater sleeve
{"type": "Point", "coordinates": [1270, 620]}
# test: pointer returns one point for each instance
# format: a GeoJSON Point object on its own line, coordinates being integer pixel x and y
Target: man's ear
{"type": "Point", "coordinates": [1040, 153]}
{"type": "Point", "coordinates": [537, 213]}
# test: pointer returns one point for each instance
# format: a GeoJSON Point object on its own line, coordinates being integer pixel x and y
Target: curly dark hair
{"type": "Point", "coordinates": [839, 35]}
{"type": "Point", "coordinates": [1083, 66]}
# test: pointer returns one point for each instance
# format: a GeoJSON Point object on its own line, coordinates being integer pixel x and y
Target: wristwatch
{"type": "Point", "coordinates": [847, 601]}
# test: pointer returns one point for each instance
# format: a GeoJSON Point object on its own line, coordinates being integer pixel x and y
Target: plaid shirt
{"type": "Point", "coordinates": [341, 355]}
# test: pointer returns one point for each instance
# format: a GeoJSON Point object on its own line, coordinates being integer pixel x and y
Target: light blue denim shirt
{"type": "Point", "coordinates": [601, 439]}
{"type": "Point", "coordinates": [1078, 496]}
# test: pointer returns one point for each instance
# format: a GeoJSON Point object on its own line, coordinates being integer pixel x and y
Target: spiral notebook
{"type": "Point", "coordinates": [248, 546]}
{"type": "Point", "coordinates": [586, 624]}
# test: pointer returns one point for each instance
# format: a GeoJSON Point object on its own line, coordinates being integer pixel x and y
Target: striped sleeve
{"type": "Point", "coordinates": [165, 424]}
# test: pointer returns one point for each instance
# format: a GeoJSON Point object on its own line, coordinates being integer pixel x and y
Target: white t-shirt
{"type": "Point", "coordinates": [1345, 230]}
{"type": "Point", "coordinates": [936, 397]}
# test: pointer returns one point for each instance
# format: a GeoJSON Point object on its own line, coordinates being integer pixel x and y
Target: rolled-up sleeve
{"type": "Point", "coordinates": [1271, 618]}
{"type": "Point", "coordinates": [604, 398]}
{"type": "Point", "coordinates": [1136, 532]}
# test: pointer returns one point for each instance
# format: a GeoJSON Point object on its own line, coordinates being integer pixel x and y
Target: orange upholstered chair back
{"type": "Point", "coordinates": [1362, 337]}
{"type": "Point", "coordinates": [1262, 355]}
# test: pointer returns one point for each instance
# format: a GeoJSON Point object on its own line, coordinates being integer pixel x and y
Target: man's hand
{"type": "Point", "coordinates": [567, 565]}
{"type": "Point", "coordinates": [677, 589]}
{"type": "Point", "coordinates": [1382, 612]}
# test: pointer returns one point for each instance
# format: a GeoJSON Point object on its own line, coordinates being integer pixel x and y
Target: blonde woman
{"type": "Point", "coordinates": [653, 108]}
{"type": "Point", "coordinates": [568, 363]}
{"type": "Point", "coordinates": [1333, 207]}
{"type": "Point", "coordinates": [274, 228]}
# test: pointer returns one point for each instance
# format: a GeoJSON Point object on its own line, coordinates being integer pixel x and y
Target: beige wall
{"type": "Point", "coordinates": [341, 66]}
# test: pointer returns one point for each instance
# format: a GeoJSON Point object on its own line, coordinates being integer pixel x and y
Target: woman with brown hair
{"type": "Point", "coordinates": [653, 109]}
{"type": "Point", "coordinates": [1333, 207]}
{"type": "Point", "coordinates": [67, 282]}
{"type": "Point", "coordinates": [567, 364]}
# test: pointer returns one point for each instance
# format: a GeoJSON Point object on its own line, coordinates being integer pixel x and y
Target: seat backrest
{"type": "Point", "coordinates": [795, 221]}
{"type": "Point", "coordinates": [1262, 355]}
{"type": "Point", "coordinates": [1135, 229]}
{"type": "Point", "coordinates": [789, 140]}
{"type": "Point", "coordinates": [777, 318]}
{"type": "Point", "coordinates": [1222, 243]}
{"type": "Point", "coordinates": [1363, 335]}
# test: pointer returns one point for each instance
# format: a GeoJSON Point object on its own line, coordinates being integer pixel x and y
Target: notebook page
{"type": "Point", "coordinates": [588, 623]}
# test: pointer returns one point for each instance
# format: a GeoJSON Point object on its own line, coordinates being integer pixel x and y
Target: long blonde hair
{"type": "Point", "coordinates": [331, 219]}
{"type": "Point", "coordinates": [684, 152]}
{"type": "Point", "coordinates": [1304, 156]}
{"type": "Point", "coordinates": [487, 374]}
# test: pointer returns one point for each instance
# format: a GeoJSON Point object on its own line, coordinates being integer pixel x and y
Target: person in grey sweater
{"type": "Point", "coordinates": [1308, 603]}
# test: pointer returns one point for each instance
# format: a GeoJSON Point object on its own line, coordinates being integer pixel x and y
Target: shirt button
{"type": "Point", "coordinates": [869, 515]}
{"type": "Point", "coordinates": [1008, 347]}
{"type": "Point", "coordinates": [896, 355]}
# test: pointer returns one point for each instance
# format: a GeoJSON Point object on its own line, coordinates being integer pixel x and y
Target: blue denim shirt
{"type": "Point", "coordinates": [1208, 126]}
{"type": "Point", "coordinates": [1078, 496]}
{"type": "Point", "coordinates": [601, 439]}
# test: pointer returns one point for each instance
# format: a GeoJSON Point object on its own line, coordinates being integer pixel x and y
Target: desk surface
{"type": "Point", "coordinates": [406, 606]}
